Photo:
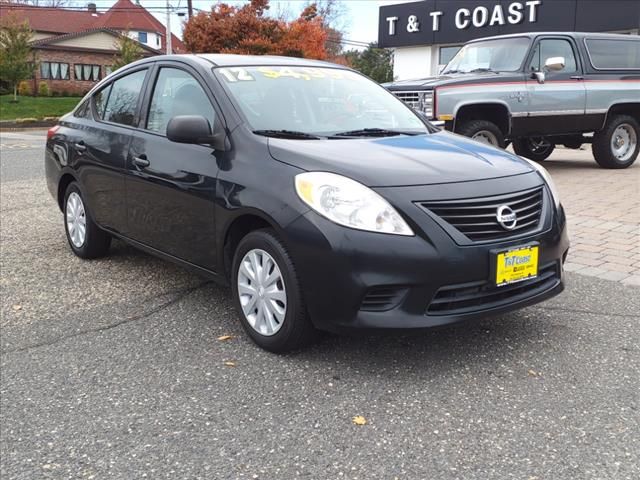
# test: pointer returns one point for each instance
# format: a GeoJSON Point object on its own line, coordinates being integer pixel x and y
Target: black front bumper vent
{"type": "Point", "coordinates": [479, 296]}
{"type": "Point", "coordinates": [382, 299]}
{"type": "Point", "coordinates": [476, 218]}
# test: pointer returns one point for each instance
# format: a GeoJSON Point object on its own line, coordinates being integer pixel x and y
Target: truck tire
{"type": "Point", "coordinates": [537, 149]}
{"type": "Point", "coordinates": [482, 131]}
{"type": "Point", "coordinates": [616, 145]}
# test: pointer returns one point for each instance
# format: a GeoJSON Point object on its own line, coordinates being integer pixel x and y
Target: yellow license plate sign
{"type": "Point", "coordinates": [516, 265]}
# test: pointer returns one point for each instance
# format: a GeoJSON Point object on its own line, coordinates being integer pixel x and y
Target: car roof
{"type": "Point", "coordinates": [617, 36]}
{"type": "Point", "coordinates": [228, 60]}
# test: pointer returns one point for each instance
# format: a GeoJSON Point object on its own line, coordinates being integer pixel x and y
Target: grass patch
{"type": "Point", "coordinates": [35, 107]}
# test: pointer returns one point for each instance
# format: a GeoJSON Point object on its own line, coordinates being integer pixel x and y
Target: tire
{"type": "Point", "coordinates": [285, 325]}
{"type": "Point", "coordinates": [617, 144]}
{"type": "Point", "coordinates": [483, 131]}
{"type": "Point", "coordinates": [95, 242]}
{"type": "Point", "coordinates": [537, 149]}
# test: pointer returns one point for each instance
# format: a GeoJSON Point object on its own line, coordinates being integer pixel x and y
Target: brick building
{"type": "Point", "coordinates": [73, 49]}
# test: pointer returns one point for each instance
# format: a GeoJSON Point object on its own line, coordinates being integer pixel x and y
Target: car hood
{"type": "Point", "coordinates": [402, 160]}
{"type": "Point", "coordinates": [432, 82]}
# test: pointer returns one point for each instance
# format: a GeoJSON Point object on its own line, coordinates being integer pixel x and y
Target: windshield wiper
{"type": "Point", "coordinates": [482, 69]}
{"type": "Point", "coordinates": [372, 132]}
{"type": "Point", "coordinates": [287, 134]}
{"type": "Point", "coordinates": [450, 71]}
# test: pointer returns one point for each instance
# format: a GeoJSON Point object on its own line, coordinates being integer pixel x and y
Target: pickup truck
{"type": "Point", "coordinates": [539, 90]}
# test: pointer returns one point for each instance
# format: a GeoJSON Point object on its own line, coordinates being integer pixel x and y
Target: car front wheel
{"type": "Point", "coordinates": [268, 295]}
{"type": "Point", "coordinates": [482, 131]}
{"type": "Point", "coordinates": [617, 146]}
{"type": "Point", "coordinates": [537, 149]}
{"type": "Point", "coordinates": [85, 238]}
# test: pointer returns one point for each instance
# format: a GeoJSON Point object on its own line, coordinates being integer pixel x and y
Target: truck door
{"type": "Point", "coordinates": [557, 105]}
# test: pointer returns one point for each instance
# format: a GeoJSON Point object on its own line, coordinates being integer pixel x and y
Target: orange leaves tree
{"type": "Point", "coordinates": [248, 30]}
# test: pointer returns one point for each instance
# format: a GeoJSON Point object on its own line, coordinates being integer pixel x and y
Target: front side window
{"type": "Point", "coordinates": [318, 101]}
{"type": "Point", "coordinates": [614, 54]}
{"type": "Point", "coordinates": [54, 71]}
{"type": "Point", "coordinates": [177, 93]}
{"type": "Point", "coordinates": [123, 99]}
{"type": "Point", "coordinates": [550, 48]}
{"type": "Point", "coordinates": [502, 55]}
{"type": "Point", "coordinates": [90, 73]}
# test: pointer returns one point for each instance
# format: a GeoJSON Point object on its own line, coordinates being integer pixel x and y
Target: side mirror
{"type": "Point", "coordinates": [194, 129]}
{"type": "Point", "coordinates": [554, 64]}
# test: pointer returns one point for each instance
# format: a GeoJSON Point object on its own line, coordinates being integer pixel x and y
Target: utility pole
{"type": "Point", "coordinates": [190, 8]}
{"type": "Point", "coordinates": [168, 32]}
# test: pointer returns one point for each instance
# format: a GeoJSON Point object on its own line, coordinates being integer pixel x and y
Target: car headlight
{"type": "Point", "coordinates": [349, 203]}
{"type": "Point", "coordinates": [548, 180]}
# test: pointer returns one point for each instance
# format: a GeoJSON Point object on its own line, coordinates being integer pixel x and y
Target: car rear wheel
{"type": "Point", "coordinates": [537, 149]}
{"type": "Point", "coordinates": [85, 238]}
{"type": "Point", "coordinates": [268, 295]}
{"type": "Point", "coordinates": [483, 131]}
{"type": "Point", "coordinates": [617, 146]}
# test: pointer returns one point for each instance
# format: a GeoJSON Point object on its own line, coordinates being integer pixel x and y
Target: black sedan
{"type": "Point", "coordinates": [324, 201]}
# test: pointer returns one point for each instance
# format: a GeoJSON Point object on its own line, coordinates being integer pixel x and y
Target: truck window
{"type": "Point", "coordinates": [614, 54]}
{"type": "Point", "coordinates": [553, 47]}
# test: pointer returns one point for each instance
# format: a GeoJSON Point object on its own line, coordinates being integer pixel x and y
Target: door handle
{"type": "Point", "coordinates": [577, 77]}
{"type": "Point", "coordinates": [141, 161]}
{"type": "Point", "coordinates": [80, 146]}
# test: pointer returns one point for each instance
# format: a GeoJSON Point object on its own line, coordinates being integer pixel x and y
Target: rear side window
{"type": "Point", "coordinates": [177, 93]}
{"type": "Point", "coordinates": [550, 48]}
{"type": "Point", "coordinates": [614, 54]}
{"type": "Point", "coordinates": [123, 99]}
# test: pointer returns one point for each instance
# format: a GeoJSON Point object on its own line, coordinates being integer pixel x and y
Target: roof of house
{"type": "Point", "coordinates": [123, 15]}
{"type": "Point", "coordinates": [50, 19]}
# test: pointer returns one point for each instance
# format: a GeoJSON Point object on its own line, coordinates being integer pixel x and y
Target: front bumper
{"type": "Point", "coordinates": [350, 278]}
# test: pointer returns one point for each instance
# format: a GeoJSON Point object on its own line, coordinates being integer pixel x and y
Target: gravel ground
{"type": "Point", "coordinates": [112, 369]}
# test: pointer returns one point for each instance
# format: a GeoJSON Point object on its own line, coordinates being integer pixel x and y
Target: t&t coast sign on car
{"type": "Point", "coordinates": [456, 21]}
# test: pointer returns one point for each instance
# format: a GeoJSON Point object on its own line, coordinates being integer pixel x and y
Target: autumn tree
{"type": "Point", "coordinates": [129, 51]}
{"type": "Point", "coordinates": [249, 30]}
{"type": "Point", "coordinates": [374, 62]}
{"type": "Point", "coordinates": [15, 52]}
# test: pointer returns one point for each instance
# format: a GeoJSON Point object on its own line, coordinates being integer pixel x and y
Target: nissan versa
{"type": "Point", "coordinates": [324, 201]}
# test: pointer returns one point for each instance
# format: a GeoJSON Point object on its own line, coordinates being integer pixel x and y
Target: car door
{"type": "Point", "coordinates": [100, 145]}
{"type": "Point", "coordinates": [171, 186]}
{"type": "Point", "coordinates": [558, 104]}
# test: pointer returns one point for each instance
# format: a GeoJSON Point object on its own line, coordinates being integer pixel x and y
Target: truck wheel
{"type": "Point", "coordinates": [482, 131]}
{"type": "Point", "coordinates": [537, 149]}
{"type": "Point", "coordinates": [616, 145]}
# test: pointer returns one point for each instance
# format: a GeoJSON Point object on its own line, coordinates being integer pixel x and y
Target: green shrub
{"type": "Point", "coordinates": [24, 88]}
{"type": "Point", "coordinates": [43, 89]}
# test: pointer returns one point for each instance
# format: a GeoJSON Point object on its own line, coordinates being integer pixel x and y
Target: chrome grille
{"type": "Point", "coordinates": [422, 101]}
{"type": "Point", "coordinates": [476, 218]}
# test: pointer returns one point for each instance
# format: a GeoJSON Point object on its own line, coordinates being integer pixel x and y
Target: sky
{"type": "Point", "coordinates": [360, 16]}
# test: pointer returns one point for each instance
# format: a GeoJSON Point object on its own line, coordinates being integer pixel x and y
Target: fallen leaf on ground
{"type": "Point", "coordinates": [17, 307]}
{"type": "Point", "coordinates": [224, 338]}
{"type": "Point", "coordinates": [359, 420]}
{"type": "Point", "coordinates": [533, 373]}
{"type": "Point", "coordinates": [229, 364]}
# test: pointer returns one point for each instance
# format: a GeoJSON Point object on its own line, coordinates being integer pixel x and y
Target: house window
{"type": "Point", "coordinates": [142, 37]}
{"type": "Point", "coordinates": [86, 72]}
{"type": "Point", "coordinates": [54, 71]}
{"type": "Point", "coordinates": [157, 39]}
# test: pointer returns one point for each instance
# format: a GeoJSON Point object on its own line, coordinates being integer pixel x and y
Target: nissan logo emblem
{"type": "Point", "coordinates": [506, 217]}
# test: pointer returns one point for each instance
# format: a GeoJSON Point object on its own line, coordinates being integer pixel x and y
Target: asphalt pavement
{"type": "Point", "coordinates": [113, 369]}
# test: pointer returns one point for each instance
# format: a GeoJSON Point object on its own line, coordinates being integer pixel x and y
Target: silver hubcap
{"type": "Point", "coordinates": [485, 136]}
{"type": "Point", "coordinates": [624, 142]}
{"type": "Point", "coordinates": [262, 292]}
{"type": "Point", "coordinates": [76, 220]}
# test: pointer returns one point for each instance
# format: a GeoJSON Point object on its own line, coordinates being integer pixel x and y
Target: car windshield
{"type": "Point", "coordinates": [502, 55]}
{"type": "Point", "coordinates": [301, 102]}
